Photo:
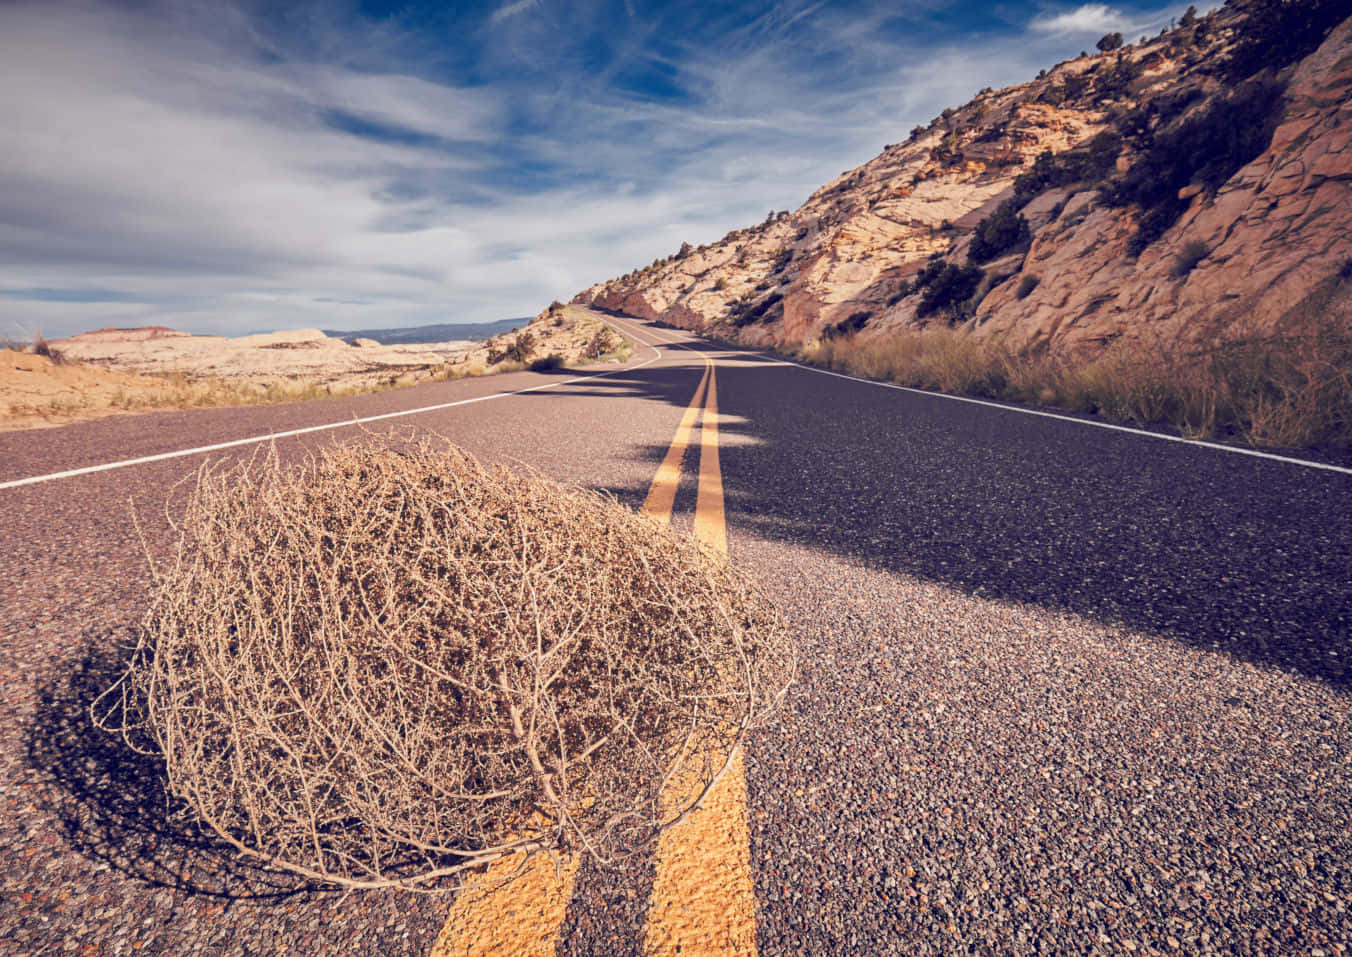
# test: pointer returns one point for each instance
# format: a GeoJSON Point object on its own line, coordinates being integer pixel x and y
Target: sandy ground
{"type": "Point", "coordinates": [120, 370]}
{"type": "Point", "coordinates": [296, 354]}
{"type": "Point", "coordinates": [36, 391]}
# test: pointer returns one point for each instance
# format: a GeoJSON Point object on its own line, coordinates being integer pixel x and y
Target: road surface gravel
{"type": "Point", "coordinates": [1063, 690]}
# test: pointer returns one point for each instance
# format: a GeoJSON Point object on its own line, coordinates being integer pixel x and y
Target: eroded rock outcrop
{"type": "Point", "coordinates": [870, 253]}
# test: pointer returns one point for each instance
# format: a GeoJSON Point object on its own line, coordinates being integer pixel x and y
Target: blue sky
{"type": "Point", "coordinates": [228, 167]}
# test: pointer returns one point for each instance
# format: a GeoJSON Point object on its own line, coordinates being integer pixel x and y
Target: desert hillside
{"type": "Point", "coordinates": [1174, 189]}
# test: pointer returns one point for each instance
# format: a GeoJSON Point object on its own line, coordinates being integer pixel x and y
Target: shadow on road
{"type": "Point", "coordinates": [1212, 549]}
{"type": "Point", "coordinates": [110, 802]}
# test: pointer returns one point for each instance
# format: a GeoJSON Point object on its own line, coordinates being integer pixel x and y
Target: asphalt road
{"type": "Point", "coordinates": [1065, 689]}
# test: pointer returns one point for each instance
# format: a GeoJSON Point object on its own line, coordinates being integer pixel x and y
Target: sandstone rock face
{"type": "Point", "coordinates": [1274, 231]}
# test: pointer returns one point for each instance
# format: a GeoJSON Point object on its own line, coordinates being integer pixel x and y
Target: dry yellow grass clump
{"type": "Point", "coordinates": [392, 664]}
{"type": "Point", "coordinates": [1288, 388]}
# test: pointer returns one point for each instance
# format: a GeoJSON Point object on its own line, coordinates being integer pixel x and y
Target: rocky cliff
{"type": "Point", "coordinates": [1177, 187]}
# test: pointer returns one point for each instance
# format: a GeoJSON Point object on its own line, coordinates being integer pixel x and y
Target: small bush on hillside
{"type": "Point", "coordinates": [1076, 84]}
{"type": "Point", "coordinates": [744, 313]}
{"type": "Point", "coordinates": [546, 363]}
{"type": "Point", "coordinates": [1192, 253]}
{"type": "Point", "coordinates": [1004, 230]}
{"type": "Point", "coordinates": [946, 287]}
{"type": "Point", "coordinates": [392, 665]}
{"type": "Point", "coordinates": [518, 350]}
{"type": "Point", "coordinates": [1277, 33]}
{"type": "Point", "coordinates": [42, 348]}
{"type": "Point", "coordinates": [1089, 164]}
{"type": "Point", "coordinates": [1053, 95]}
{"type": "Point", "coordinates": [1109, 42]}
{"type": "Point", "coordinates": [849, 326]}
{"type": "Point", "coordinates": [601, 342]}
{"type": "Point", "coordinates": [1117, 80]}
{"type": "Point", "coordinates": [1207, 147]}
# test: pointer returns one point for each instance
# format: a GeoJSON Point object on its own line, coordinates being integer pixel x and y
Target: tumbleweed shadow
{"type": "Point", "coordinates": [111, 803]}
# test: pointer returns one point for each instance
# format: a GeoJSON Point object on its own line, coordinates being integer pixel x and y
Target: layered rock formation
{"type": "Point", "coordinates": [930, 231]}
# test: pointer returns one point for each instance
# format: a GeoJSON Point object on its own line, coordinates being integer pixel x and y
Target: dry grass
{"type": "Point", "coordinates": [392, 665]}
{"type": "Point", "coordinates": [1286, 389]}
{"type": "Point", "coordinates": [181, 391]}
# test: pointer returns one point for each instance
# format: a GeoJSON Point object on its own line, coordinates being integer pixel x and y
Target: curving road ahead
{"type": "Point", "coordinates": [1065, 689]}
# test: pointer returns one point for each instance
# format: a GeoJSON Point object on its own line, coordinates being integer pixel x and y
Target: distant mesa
{"type": "Point", "coordinates": [140, 334]}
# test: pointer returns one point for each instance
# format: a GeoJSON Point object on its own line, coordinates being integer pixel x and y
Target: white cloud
{"type": "Point", "coordinates": [512, 9]}
{"type": "Point", "coordinates": [1088, 18]}
{"type": "Point", "coordinates": [410, 103]}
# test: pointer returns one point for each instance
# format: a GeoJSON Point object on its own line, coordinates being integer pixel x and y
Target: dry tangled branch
{"type": "Point", "coordinates": [393, 664]}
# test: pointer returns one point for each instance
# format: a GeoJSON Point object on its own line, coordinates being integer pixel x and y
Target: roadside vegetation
{"type": "Point", "coordinates": [1288, 388]}
{"type": "Point", "coordinates": [355, 670]}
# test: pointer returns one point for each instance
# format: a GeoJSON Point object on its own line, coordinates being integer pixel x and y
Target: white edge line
{"type": "Point", "coordinates": [254, 440]}
{"type": "Point", "coordinates": [1236, 450]}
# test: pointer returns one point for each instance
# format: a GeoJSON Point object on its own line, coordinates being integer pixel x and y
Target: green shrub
{"type": "Point", "coordinates": [518, 350]}
{"type": "Point", "coordinates": [1276, 33]}
{"type": "Point", "coordinates": [1000, 232]}
{"type": "Point", "coordinates": [1053, 95]}
{"type": "Point", "coordinates": [947, 287]}
{"type": "Point", "coordinates": [1208, 147]}
{"type": "Point", "coordinates": [1109, 42]}
{"type": "Point", "coordinates": [1090, 163]}
{"type": "Point", "coordinates": [848, 327]}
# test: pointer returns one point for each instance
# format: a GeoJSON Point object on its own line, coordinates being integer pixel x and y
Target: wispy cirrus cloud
{"type": "Point", "coordinates": [508, 10]}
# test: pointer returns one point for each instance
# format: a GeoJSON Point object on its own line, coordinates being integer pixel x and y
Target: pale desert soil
{"type": "Point", "coordinates": [121, 370]}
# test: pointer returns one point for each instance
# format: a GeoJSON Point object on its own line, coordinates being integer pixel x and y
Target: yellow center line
{"type": "Point", "coordinates": [709, 525]}
{"type": "Point", "coordinates": [662, 494]}
{"type": "Point", "coordinates": [703, 901]}
{"type": "Point", "coordinates": [524, 916]}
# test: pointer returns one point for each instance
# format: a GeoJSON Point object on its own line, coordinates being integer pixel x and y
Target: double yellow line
{"type": "Point", "coordinates": [702, 899]}
{"type": "Point", "coordinates": [709, 525]}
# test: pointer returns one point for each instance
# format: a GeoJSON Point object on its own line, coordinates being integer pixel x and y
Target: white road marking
{"type": "Point", "coordinates": [1217, 446]}
{"type": "Point", "coordinates": [254, 440]}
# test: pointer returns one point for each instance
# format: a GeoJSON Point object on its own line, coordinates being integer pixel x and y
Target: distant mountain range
{"type": "Point", "coordinates": [441, 332]}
